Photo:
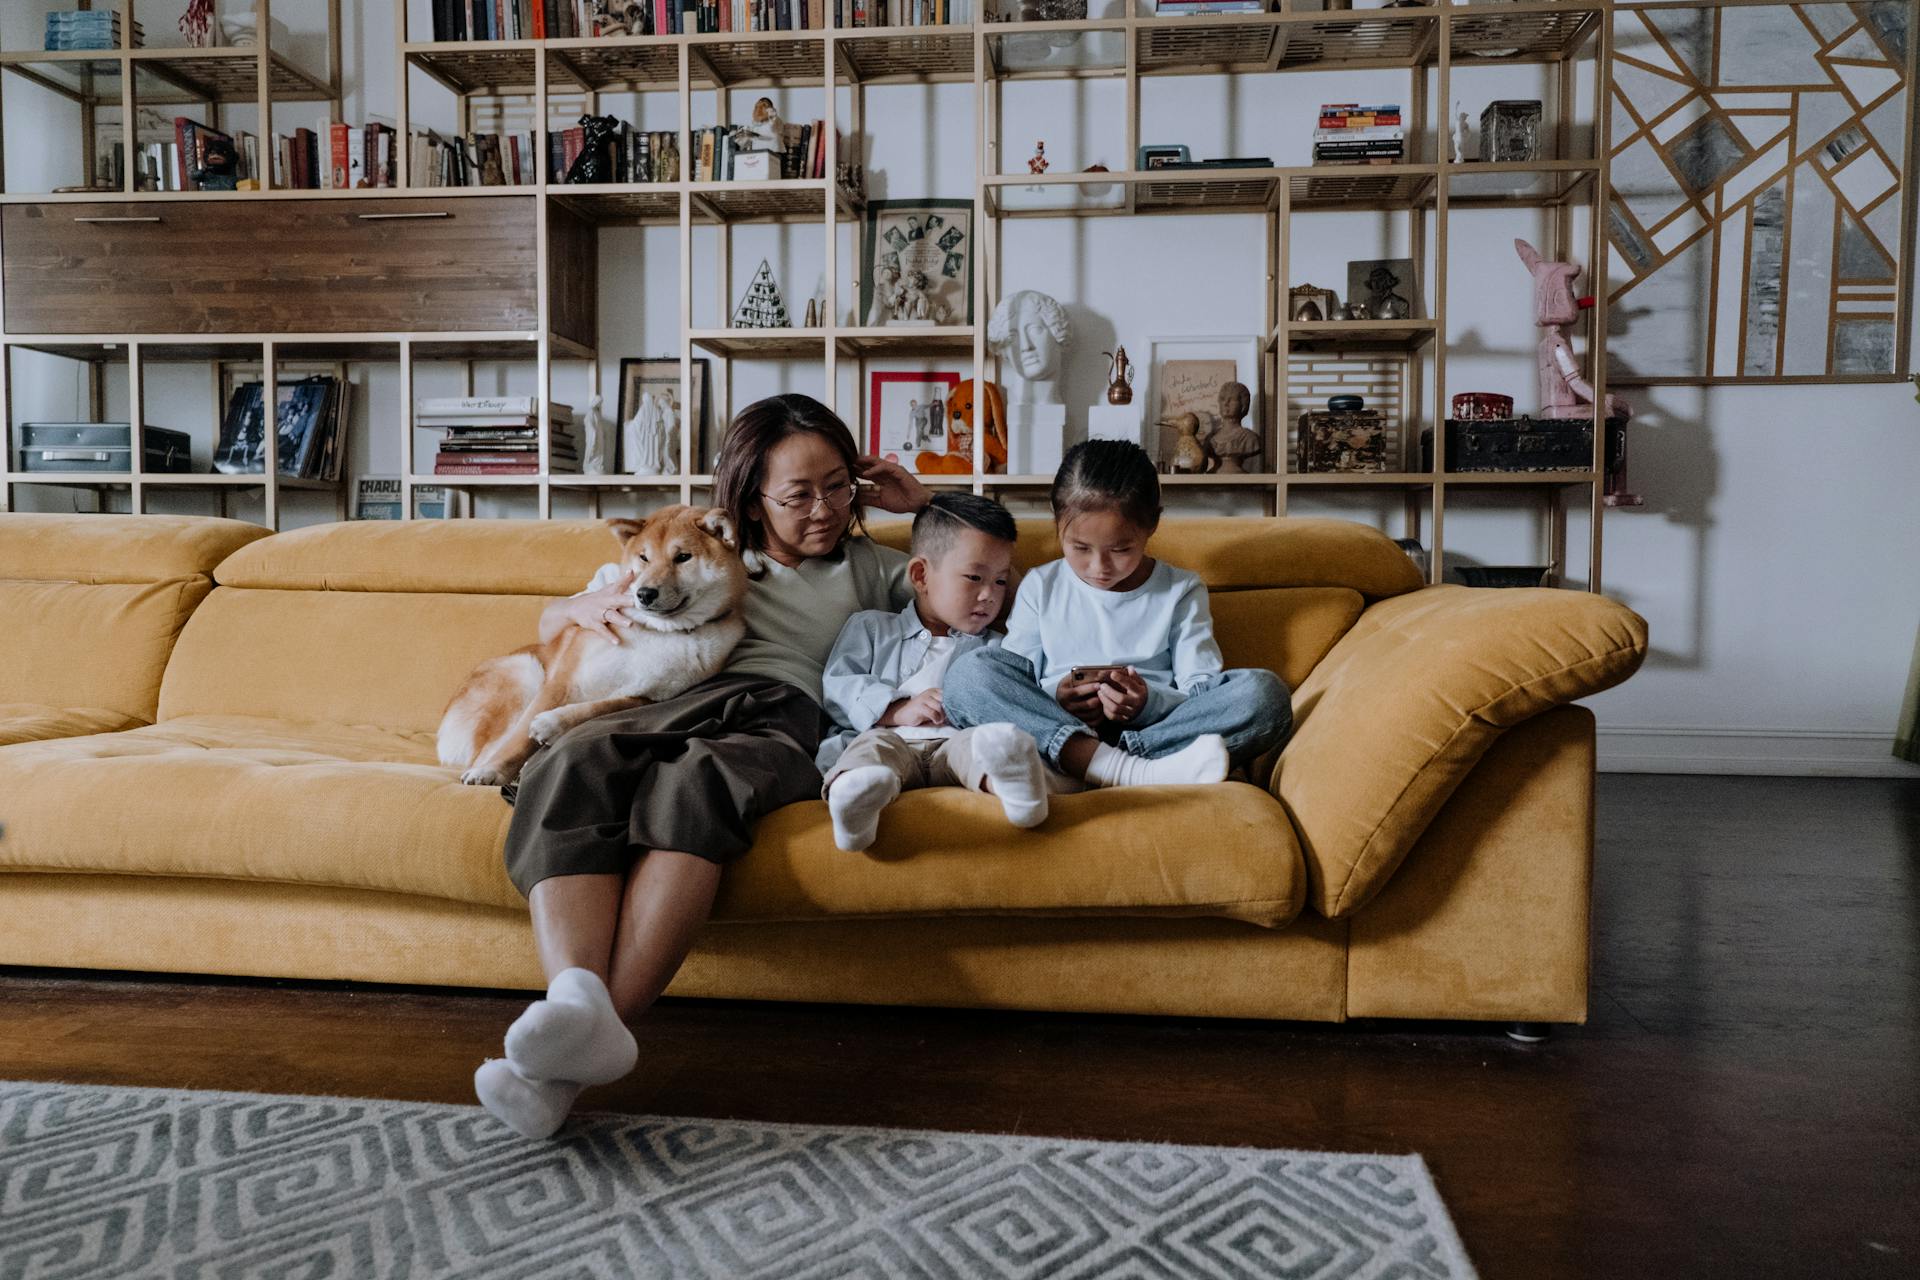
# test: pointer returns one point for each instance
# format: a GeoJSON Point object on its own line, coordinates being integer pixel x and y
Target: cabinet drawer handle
{"type": "Point", "coordinates": [154, 217]}
{"type": "Point", "coordinates": [390, 217]}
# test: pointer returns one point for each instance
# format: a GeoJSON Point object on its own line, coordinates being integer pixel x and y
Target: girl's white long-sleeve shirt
{"type": "Point", "coordinates": [1163, 628]}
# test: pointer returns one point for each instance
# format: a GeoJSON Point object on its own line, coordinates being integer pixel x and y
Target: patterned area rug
{"type": "Point", "coordinates": [98, 1182]}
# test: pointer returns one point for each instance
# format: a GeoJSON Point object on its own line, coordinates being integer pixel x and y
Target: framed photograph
{"type": "Point", "coordinates": [660, 375]}
{"type": "Point", "coordinates": [1309, 302]}
{"type": "Point", "coordinates": [918, 263]}
{"type": "Point", "coordinates": [1387, 286]}
{"type": "Point", "coordinates": [1185, 376]}
{"type": "Point", "coordinates": [907, 415]}
{"type": "Point", "coordinates": [1160, 155]}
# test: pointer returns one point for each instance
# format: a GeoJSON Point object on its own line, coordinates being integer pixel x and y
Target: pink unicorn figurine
{"type": "Point", "coordinates": [1564, 391]}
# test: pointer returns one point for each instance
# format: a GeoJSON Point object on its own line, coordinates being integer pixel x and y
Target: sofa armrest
{"type": "Point", "coordinates": [1399, 711]}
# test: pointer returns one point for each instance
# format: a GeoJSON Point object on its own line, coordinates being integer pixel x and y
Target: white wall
{"type": "Point", "coordinates": [1774, 558]}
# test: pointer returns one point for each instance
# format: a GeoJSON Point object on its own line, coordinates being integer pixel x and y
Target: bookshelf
{"type": "Point", "coordinates": [1419, 54]}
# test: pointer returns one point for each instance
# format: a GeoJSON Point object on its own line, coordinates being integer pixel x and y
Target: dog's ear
{"type": "Point", "coordinates": [625, 531]}
{"type": "Point", "coordinates": [718, 523]}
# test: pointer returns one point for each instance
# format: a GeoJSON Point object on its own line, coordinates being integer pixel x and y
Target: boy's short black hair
{"type": "Point", "coordinates": [948, 513]}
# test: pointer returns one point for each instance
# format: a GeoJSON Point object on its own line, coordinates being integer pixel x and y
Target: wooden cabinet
{"type": "Point", "coordinates": [371, 265]}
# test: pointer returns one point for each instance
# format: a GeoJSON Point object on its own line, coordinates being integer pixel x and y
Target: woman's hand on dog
{"type": "Point", "coordinates": [603, 610]}
{"type": "Point", "coordinates": [893, 486]}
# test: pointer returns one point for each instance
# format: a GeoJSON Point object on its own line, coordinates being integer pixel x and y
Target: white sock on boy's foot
{"type": "Point", "coordinates": [1202, 760]}
{"type": "Point", "coordinates": [855, 800]}
{"type": "Point", "coordinates": [574, 1034]}
{"type": "Point", "coordinates": [1015, 771]}
{"type": "Point", "coordinates": [531, 1108]}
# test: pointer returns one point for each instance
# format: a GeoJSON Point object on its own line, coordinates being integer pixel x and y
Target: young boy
{"type": "Point", "coordinates": [883, 681]}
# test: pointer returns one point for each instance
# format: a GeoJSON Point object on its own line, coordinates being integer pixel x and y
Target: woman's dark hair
{"type": "Point", "coordinates": [1107, 475]}
{"type": "Point", "coordinates": [742, 466]}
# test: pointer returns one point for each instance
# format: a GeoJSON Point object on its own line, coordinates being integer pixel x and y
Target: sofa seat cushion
{"type": "Point", "coordinates": [1224, 851]}
{"type": "Point", "coordinates": [35, 722]}
{"type": "Point", "coordinates": [257, 799]}
{"type": "Point", "coordinates": [251, 798]}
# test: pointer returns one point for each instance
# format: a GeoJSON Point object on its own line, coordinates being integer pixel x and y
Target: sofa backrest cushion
{"type": "Point", "coordinates": [95, 603]}
{"type": "Point", "coordinates": [378, 623]}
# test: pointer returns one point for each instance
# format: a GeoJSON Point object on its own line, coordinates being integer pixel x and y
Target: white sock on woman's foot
{"type": "Point", "coordinates": [855, 800]}
{"type": "Point", "coordinates": [531, 1108]}
{"type": "Point", "coordinates": [574, 1034]}
{"type": "Point", "coordinates": [1014, 770]}
{"type": "Point", "coordinates": [1202, 760]}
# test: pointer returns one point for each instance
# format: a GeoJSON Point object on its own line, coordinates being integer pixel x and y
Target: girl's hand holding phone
{"type": "Point", "coordinates": [1122, 695]}
{"type": "Point", "coordinates": [1081, 699]}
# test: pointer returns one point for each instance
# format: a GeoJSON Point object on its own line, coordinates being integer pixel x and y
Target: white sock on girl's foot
{"type": "Point", "coordinates": [855, 800]}
{"type": "Point", "coordinates": [531, 1108]}
{"type": "Point", "coordinates": [1015, 771]}
{"type": "Point", "coordinates": [1202, 760]}
{"type": "Point", "coordinates": [574, 1034]}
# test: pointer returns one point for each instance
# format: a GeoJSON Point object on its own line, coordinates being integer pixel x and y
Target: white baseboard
{"type": "Point", "coordinates": [1785, 752]}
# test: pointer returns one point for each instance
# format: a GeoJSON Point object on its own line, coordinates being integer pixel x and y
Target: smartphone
{"type": "Point", "coordinates": [1093, 675]}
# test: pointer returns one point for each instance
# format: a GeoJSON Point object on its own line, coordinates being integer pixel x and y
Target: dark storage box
{"type": "Point", "coordinates": [1523, 444]}
{"type": "Point", "coordinates": [99, 446]}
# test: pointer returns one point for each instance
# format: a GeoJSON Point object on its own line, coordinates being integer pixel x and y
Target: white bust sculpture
{"type": "Point", "coordinates": [652, 437]}
{"type": "Point", "coordinates": [1029, 331]}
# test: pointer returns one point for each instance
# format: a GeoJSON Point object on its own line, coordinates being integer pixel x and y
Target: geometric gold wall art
{"type": "Point", "coordinates": [1759, 182]}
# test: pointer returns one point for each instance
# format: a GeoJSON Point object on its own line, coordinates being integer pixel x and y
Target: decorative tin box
{"type": "Point", "coordinates": [1344, 440]}
{"type": "Point", "coordinates": [1524, 444]}
{"type": "Point", "coordinates": [99, 446]}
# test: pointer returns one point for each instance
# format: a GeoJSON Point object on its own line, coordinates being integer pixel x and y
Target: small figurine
{"type": "Point", "coordinates": [1463, 136]}
{"type": "Point", "coordinates": [1119, 376]}
{"type": "Point", "coordinates": [761, 306]}
{"type": "Point", "coordinates": [196, 24]}
{"type": "Point", "coordinates": [1231, 442]}
{"type": "Point", "coordinates": [652, 437]}
{"type": "Point", "coordinates": [767, 132]}
{"type": "Point", "coordinates": [1189, 453]}
{"type": "Point", "coordinates": [1564, 390]}
{"type": "Point", "coordinates": [886, 295]}
{"type": "Point", "coordinates": [597, 459]}
{"type": "Point", "coordinates": [1038, 162]}
{"type": "Point", "coordinates": [913, 298]}
{"type": "Point", "coordinates": [595, 161]}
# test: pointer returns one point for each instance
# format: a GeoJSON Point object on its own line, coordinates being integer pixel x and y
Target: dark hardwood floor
{"type": "Point", "coordinates": [1745, 1100]}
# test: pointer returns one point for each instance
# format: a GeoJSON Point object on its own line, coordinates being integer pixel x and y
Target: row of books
{"type": "Point", "coordinates": [715, 158]}
{"type": "Point", "coordinates": [308, 418]}
{"type": "Point", "coordinates": [88, 29]}
{"type": "Point", "coordinates": [636, 156]}
{"type": "Point", "coordinates": [1183, 8]}
{"type": "Point", "coordinates": [565, 19]}
{"type": "Point", "coordinates": [1359, 133]}
{"type": "Point", "coordinates": [497, 435]}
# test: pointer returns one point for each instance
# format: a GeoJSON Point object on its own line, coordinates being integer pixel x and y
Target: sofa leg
{"type": "Point", "coordinates": [1529, 1032]}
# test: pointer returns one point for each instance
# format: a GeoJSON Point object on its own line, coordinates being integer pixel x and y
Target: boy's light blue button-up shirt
{"type": "Point", "coordinates": [876, 652]}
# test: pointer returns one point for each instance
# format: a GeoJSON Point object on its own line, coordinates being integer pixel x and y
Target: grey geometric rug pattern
{"type": "Point", "coordinates": [126, 1182]}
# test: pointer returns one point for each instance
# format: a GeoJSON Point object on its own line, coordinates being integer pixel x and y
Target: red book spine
{"type": "Point", "coordinates": [661, 23]}
{"type": "Point", "coordinates": [539, 19]}
{"type": "Point", "coordinates": [337, 149]}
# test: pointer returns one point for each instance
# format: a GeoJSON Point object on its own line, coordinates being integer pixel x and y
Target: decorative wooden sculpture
{"type": "Point", "coordinates": [1119, 376]}
{"type": "Point", "coordinates": [1189, 453]}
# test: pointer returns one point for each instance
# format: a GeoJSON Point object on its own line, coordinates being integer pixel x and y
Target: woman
{"type": "Point", "coordinates": [621, 827]}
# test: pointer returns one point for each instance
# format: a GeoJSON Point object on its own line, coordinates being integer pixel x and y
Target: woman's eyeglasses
{"type": "Point", "coordinates": [838, 498]}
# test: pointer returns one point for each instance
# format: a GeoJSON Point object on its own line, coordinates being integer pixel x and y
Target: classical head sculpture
{"type": "Point", "coordinates": [1030, 333]}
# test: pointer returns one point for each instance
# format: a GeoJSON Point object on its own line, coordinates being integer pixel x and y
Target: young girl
{"type": "Point", "coordinates": [621, 827]}
{"type": "Point", "coordinates": [1109, 660]}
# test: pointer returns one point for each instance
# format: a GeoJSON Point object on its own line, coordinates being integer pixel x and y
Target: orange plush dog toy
{"type": "Point", "coordinates": [959, 460]}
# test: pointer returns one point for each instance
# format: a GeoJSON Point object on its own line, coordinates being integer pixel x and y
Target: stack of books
{"type": "Point", "coordinates": [567, 19]}
{"type": "Point", "coordinates": [917, 13]}
{"type": "Point", "coordinates": [497, 435]}
{"type": "Point", "coordinates": [1353, 133]}
{"type": "Point", "coordinates": [87, 29]}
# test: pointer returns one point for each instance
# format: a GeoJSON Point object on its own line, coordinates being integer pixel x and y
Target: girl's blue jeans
{"type": "Point", "coordinates": [1252, 709]}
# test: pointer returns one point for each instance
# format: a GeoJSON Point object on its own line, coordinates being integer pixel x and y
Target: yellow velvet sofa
{"type": "Point", "coordinates": [267, 801]}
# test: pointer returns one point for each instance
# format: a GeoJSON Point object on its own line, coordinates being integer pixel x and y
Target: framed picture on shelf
{"type": "Point", "coordinates": [659, 376]}
{"type": "Point", "coordinates": [1160, 155]}
{"type": "Point", "coordinates": [907, 415]}
{"type": "Point", "coordinates": [1388, 287]}
{"type": "Point", "coordinates": [1185, 376]}
{"type": "Point", "coordinates": [918, 264]}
